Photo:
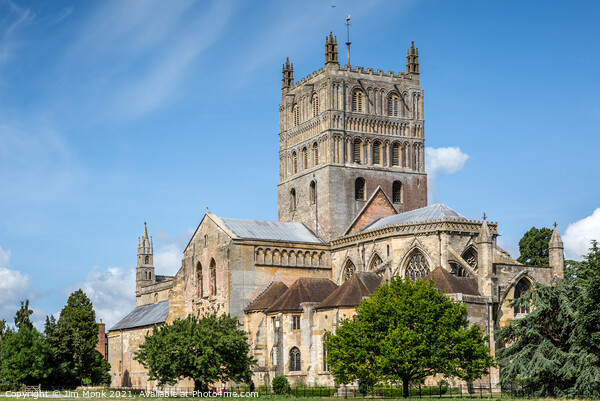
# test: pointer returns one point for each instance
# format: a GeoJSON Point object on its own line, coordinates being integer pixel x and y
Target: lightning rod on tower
{"type": "Point", "coordinates": [348, 36]}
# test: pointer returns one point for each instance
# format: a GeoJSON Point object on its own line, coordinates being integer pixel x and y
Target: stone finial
{"type": "Point", "coordinates": [484, 232]}
{"type": "Point", "coordinates": [412, 60]}
{"type": "Point", "coordinates": [287, 80]}
{"type": "Point", "coordinates": [331, 53]}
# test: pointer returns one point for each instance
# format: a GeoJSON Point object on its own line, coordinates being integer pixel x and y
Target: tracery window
{"type": "Point", "coordinates": [348, 270]}
{"type": "Point", "coordinates": [395, 155]}
{"type": "Point", "coordinates": [520, 289]}
{"type": "Point", "coordinates": [294, 359]}
{"type": "Point", "coordinates": [358, 101]}
{"type": "Point", "coordinates": [417, 267]}
{"type": "Point", "coordinates": [357, 151]}
{"type": "Point", "coordinates": [376, 152]}
{"type": "Point", "coordinates": [375, 262]}
{"type": "Point", "coordinates": [213, 277]}
{"type": "Point", "coordinates": [393, 105]}
{"type": "Point", "coordinates": [470, 256]}
{"type": "Point", "coordinates": [315, 105]}
{"type": "Point", "coordinates": [359, 189]}
{"type": "Point", "coordinates": [458, 270]}
{"type": "Point", "coordinates": [313, 192]}
{"type": "Point", "coordinates": [397, 192]}
{"type": "Point", "coordinates": [199, 281]}
{"type": "Point", "coordinates": [315, 154]}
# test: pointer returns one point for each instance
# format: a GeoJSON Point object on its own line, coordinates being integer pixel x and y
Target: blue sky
{"type": "Point", "coordinates": [118, 112]}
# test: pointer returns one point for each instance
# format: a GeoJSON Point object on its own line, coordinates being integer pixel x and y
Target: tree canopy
{"type": "Point", "coordinates": [555, 349]}
{"type": "Point", "coordinates": [533, 247]}
{"type": "Point", "coordinates": [206, 350]}
{"type": "Point", "coordinates": [22, 318]}
{"type": "Point", "coordinates": [405, 332]}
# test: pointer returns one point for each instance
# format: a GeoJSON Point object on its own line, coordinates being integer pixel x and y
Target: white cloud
{"type": "Point", "coordinates": [112, 292]}
{"type": "Point", "coordinates": [442, 160]}
{"type": "Point", "coordinates": [167, 259]}
{"type": "Point", "coordinates": [578, 235]}
{"type": "Point", "coordinates": [14, 288]}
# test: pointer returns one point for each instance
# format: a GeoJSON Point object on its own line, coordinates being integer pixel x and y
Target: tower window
{"type": "Point", "coordinates": [304, 159]}
{"type": "Point", "coordinates": [313, 192]}
{"type": "Point", "coordinates": [147, 260]}
{"type": "Point", "coordinates": [315, 105]}
{"type": "Point", "coordinates": [296, 115]}
{"type": "Point", "coordinates": [294, 163]}
{"type": "Point", "coordinates": [213, 277]}
{"type": "Point", "coordinates": [393, 105]}
{"type": "Point", "coordinates": [397, 192]}
{"type": "Point", "coordinates": [395, 155]}
{"type": "Point", "coordinates": [357, 151]}
{"type": "Point", "coordinates": [359, 189]}
{"type": "Point", "coordinates": [293, 199]}
{"type": "Point", "coordinates": [376, 152]}
{"type": "Point", "coordinates": [358, 101]}
{"type": "Point", "coordinates": [294, 359]}
{"type": "Point", "coordinates": [315, 154]}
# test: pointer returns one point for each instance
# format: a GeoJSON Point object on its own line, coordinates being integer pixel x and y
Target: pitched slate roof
{"type": "Point", "coordinates": [144, 315]}
{"type": "Point", "coordinates": [271, 230]}
{"type": "Point", "coordinates": [450, 284]}
{"type": "Point", "coordinates": [360, 285]}
{"type": "Point", "coordinates": [303, 290]}
{"type": "Point", "coordinates": [267, 297]}
{"type": "Point", "coordinates": [439, 211]}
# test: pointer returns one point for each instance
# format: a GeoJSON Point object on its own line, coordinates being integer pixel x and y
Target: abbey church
{"type": "Point", "coordinates": [352, 209]}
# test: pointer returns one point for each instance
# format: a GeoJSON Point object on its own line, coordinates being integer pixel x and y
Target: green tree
{"type": "Point", "coordinates": [206, 350]}
{"type": "Point", "coordinates": [4, 329]}
{"type": "Point", "coordinates": [79, 314]}
{"type": "Point", "coordinates": [405, 332]}
{"type": "Point", "coordinates": [533, 247]}
{"type": "Point", "coordinates": [22, 317]}
{"type": "Point", "coordinates": [555, 349]}
{"type": "Point", "coordinates": [23, 355]}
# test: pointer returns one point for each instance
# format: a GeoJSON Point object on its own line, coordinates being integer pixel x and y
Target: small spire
{"type": "Point", "coordinates": [145, 231]}
{"type": "Point", "coordinates": [412, 59]}
{"type": "Point", "coordinates": [331, 53]}
{"type": "Point", "coordinates": [484, 232]}
{"type": "Point", "coordinates": [555, 239]}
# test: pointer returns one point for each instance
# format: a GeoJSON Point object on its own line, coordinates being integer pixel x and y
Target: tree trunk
{"type": "Point", "coordinates": [405, 388]}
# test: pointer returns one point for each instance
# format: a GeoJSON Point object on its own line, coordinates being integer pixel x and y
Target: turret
{"type": "Point", "coordinates": [485, 248]}
{"type": "Point", "coordinates": [287, 82]}
{"type": "Point", "coordinates": [331, 53]}
{"type": "Point", "coordinates": [555, 253]}
{"type": "Point", "coordinates": [412, 60]}
{"type": "Point", "coordinates": [145, 262]}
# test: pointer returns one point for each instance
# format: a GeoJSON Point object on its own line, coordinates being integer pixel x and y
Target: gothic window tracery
{"type": "Point", "coordinates": [375, 263]}
{"type": "Point", "coordinates": [349, 270]}
{"type": "Point", "coordinates": [417, 267]}
{"type": "Point", "coordinates": [294, 359]}
{"type": "Point", "coordinates": [470, 256]}
{"type": "Point", "coordinates": [520, 289]}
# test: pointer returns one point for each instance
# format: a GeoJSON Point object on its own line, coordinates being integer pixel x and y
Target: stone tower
{"type": "Point", "coordinates": [144, 273]}
{"type": "Point", "coordinates": [556, 254]}
{"type": "Point", "coordinates": [344, 131]}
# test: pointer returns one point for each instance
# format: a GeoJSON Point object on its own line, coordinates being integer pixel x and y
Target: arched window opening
{"type": "Point", "coordinates": [199, 281]}
{"type": "Point", "coordinates": [357, 151]}
{"type": "Point", "coordinates": [293, 199]}
{"type": "Point", "coordinates": [315, 105]}
{"type": "Point", "coordinates": [376, 152]}
{"type": "Point", "coordinates": [213, 277]}
{"type": "Point", "coordinates": [417, 267]}
{"type": "Point", "coordinates": [358, 101]}
{"type": "Point", "coordinates": [147, 260]}
{"type": "Point", "coordinates": [304, 159]}
{"type": "Point", "coordinates": [349, 270]}
{"type": "Point", "coordinates": [325, 365]}
{"type": "Point", "coordinates": [155, 297]}
{"type": "Point", "coordinates": [397, 192]}
{"type": "Point", "coordinates": [313, 192]}
{"type": "Point", "coordinates": [146, 275]}
{"type": "Point", "coordinates": [396, 155]}
{"type": "Point", "coordinates": [394, 105]}
{"type": "Point", "coordinates": [458, 270]}
{"type": "Point", "coordinates": [417, 158]}
{"type": "Point", "coordinates": [359, 189]}
{"type": "Point", "coordinates": [296, 114]}
{"type": "Point", "coordinates": [294, 359]}
{"type": "Point", "coordinates": [405, 155]}
{"type": "Point", "coordinates": [375, 263]}
{"type": "Point", "coordinates": [315, 154]}
{"type": "Point", "coordinates": [149, 275]}
{"type": "Point", "coordinates": [470, 256]}
{"type": "Point", "coordinates": [520, 289]}
{"type": "Point", "coordinates": [294, 163]}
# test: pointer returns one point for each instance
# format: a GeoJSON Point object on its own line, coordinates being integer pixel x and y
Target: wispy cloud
{"type": "Point", "coordinates": [442, 161]}
{"type": "Point", "coordinates": [12, 19]}
{"type": "Point", "coordinates": [578, 235]}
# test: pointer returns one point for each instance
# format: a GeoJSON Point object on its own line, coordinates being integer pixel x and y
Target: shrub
{"type": "Point", "coordinates": [281, 385]}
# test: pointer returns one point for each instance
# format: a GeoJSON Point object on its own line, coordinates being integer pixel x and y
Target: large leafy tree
{"type": "Point", "coordinates": [555, 349]}
{"type": "Point", "coordinates": [207, 350]}
{"type": "Point", "coordinates": [22, 318]}
{"type": "Point", "coordinates": [405, 332]}
{"type": "Point", "coordinates": [533, 247]}
{"type": "Point", "coordinates": [79, 314]}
